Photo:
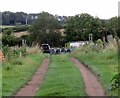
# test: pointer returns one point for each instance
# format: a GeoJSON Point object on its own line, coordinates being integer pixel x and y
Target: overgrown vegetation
{"type": "Point", "coordinates": [46, 29]}
{"type": "Point", "coordinates": [80, 26]}
{"type": "Point", "coordinates": [18, 71]}
{"type": "Point", "coordinates": [62, 79]}
{"type": "Point", "coordinates": [115, 82]}
{"type": "Point", "coordinates": [11, 53]}
{"type": "Point", "coordinates": [103, 62]}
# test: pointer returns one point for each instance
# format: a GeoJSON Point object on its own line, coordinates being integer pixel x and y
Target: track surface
{"type": "Point", "coordinates": [92, 85]}
{"type": "Point", "coordinates": [31, 88]}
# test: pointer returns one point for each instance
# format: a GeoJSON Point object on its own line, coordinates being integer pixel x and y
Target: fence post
{"type": "Point", "coordinates": [20, 54]}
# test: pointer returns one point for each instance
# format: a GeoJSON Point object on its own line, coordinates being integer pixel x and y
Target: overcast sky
{"type": "Point", "coordinates": [104, 9]}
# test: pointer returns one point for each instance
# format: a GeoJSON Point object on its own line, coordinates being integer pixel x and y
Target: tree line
{"type": "Point", "coordinates": [76, 28]}
{"type": "Point", "coordinates": [17, 18]}
{"type": "Point", "coordinates": [80, 26]}
{"type": "Point", "coordinates": [46, 28]}
{"type": "Point", "coordinates": [10, 18]}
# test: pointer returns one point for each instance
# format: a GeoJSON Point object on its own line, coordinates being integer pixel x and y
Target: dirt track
{"type": "Point", "coordinates": [31, 88]}
{"type": "Point", "coordinates": [92, 85]}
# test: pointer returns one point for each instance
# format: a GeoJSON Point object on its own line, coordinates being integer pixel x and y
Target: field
{"type": "Point", "coordinates": [83, 59]}
{"type": "Point", "coordinates": [2, 26]}
{"type": "Point", "coordinates": [17, 72]}
{"type": "Point", "coordinates": [62, 79]}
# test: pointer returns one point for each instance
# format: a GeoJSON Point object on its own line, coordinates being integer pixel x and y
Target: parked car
{"type": "Point", "coordinates": [45, 48]}
{"type": "Point", "coordinates": [58, 51]}
{"type": "Point", "coordinates": [69, 50]}
{"type": "Point", "coordinates": [52, 51]}
{"type": "Point", "coordinates": [63, 50]}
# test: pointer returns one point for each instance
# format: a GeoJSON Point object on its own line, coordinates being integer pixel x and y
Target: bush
{"type": "Point", "coordinates": [115, 82]}
{"type": "Point", "coordinates": [13, 53]}
{"type": "Point", "coordinates": [99, 44]}
{"type": "Point", "coordinates": [5, 50]}
{"type": "Point", "coordinates": [22, 50]}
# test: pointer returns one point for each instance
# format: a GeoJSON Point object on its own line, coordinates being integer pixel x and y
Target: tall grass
{"type": "Point", "coordinates": [104, 63]}
{"type": "Point", "coordinates": [17, 72]}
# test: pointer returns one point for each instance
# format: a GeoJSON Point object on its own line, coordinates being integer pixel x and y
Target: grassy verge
{"type": "Point", "coordinates": [19, 71]}
{"type": "Point", "coordinates": [104, 63]}
{"type": "Point", "coordinates": [62, 79]}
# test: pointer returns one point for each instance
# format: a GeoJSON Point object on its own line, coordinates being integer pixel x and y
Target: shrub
{"type": "Point", "coordinates": [5, 50]}
{"type": "Point", "coordinates": [22, 50]}
{"type": "Point", "coordinates": [99, 44]}
{"type": "Point", "coordinates": [115, 82]}
{"type": "Point", "coordinates": [12, 53]}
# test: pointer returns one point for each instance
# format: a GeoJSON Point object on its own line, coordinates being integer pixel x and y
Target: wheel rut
{"type": "Point", "coordinates": [33, 85]}
{"type": "Point", "coordinates": [92, 85]}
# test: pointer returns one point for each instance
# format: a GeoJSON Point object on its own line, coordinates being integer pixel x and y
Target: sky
{"type": "Point", "coordinates": [103, 9]}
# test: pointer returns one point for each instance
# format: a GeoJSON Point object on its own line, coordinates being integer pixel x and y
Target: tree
{"type": "Point", "coordinates": [10, 18]}
{"type": "Point", "coordinates": [79, 27]}
{"type": "Point", "coordinates": [44, 29]}
{"type": "Point", "coordinates": [8, 38]}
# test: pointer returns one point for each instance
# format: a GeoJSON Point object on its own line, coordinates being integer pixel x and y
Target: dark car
{"type": "Point", "coordinates": [57, 51]}
{"type": "Point", "coordinates": [68, 50]}
{"type": "Point", "coordinates": [63, 50]}
{"type": "Point", "coordinates": [45, 48]}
